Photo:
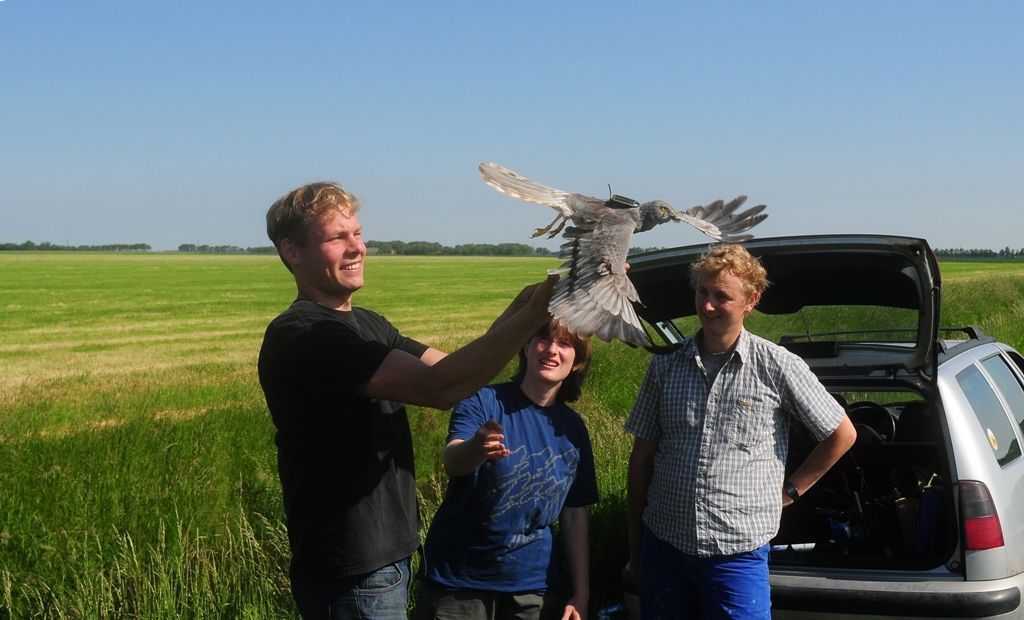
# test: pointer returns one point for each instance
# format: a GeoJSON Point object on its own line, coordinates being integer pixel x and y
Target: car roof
{"type": "Point", "coordinates": [816, 270]}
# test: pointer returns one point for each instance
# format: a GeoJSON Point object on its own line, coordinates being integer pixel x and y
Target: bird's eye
{"type": "Point", "coordinates": [664, 210]}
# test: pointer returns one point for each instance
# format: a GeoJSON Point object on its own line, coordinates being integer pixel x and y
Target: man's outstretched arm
{"type": "Point", "coordinates": [441, 381]}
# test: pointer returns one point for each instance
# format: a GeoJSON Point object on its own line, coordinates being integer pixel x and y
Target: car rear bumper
{"type": "Point", "coordinates": [796, 596]}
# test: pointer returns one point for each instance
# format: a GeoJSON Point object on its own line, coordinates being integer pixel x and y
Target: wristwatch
{"type": "Point", "coordinates": [790, 489]}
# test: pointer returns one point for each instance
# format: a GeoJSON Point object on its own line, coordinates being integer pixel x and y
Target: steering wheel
{"type": "Point", "coordinates": [873, 416]}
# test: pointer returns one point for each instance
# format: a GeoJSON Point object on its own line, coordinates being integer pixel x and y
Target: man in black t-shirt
{"type": "Point", "coordinates": [335, 378]}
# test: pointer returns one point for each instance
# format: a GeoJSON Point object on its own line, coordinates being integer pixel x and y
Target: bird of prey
{"type": "Point", "coordinates": [594, 296]}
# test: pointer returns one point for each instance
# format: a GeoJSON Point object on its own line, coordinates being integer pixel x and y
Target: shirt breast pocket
{"type": "Point", "coordinates": [751, 423]}
{"type": "Point", "coordinates": [683, 415]}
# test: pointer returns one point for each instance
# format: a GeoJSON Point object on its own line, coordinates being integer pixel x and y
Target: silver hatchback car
{"type": "Point", "coordinates": [924, 517]}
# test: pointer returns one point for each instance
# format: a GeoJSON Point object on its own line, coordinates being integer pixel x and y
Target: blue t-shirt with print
{"type": "Point", "coordinates": [493, 531]}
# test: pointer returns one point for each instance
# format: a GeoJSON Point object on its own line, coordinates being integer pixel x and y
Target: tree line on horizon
{"type": "Point", "coordinates": [430, 248]}
{"type": "Point", "coordinates": [398, 248]}
{"type": "Point", "coordinates": [46, 246]}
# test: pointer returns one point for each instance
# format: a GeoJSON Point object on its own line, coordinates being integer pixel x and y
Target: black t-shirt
{"type": "Point", "coordinates": [345, 461]}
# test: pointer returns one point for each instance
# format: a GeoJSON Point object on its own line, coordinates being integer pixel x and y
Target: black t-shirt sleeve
{"type": "Point", "coordinates": [338, 360]}
{"type": "Point", "coordinates": [317, 363]}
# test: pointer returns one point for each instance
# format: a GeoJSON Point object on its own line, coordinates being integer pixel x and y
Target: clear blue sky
{"type": "Point", "coordinates": [180, 122]}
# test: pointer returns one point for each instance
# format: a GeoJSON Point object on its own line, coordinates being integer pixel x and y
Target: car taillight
{"type": "Point", "coordinates": [981, 523]}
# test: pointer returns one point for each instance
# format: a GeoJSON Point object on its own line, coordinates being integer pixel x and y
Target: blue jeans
{"type": "Point", "coordinates": [382, 594]}
{"type": "Point", "coordinates": [679, 585]}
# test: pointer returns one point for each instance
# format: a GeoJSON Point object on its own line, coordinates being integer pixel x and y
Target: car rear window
{"type": "Point", "coordinates": [842, 323]}
{"type": "Point", "coordinates": [990, 413]}
{"type": "Point", "coordinates": [1007, 384]}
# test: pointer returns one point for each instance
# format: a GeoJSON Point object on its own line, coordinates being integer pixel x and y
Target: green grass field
{"type": "Point", "coordinates": [137, 472]}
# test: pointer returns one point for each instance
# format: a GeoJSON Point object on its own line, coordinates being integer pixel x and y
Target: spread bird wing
{"type": "Point", "coordinates": [720, 221]}
{"type": "Point", "coordinates": [512, 184]}
{"type": "Point", "coordinates": [594, 296]}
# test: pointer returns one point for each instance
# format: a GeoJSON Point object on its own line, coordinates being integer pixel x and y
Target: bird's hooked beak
{"type": "Point", "coordinates": [669, 213]}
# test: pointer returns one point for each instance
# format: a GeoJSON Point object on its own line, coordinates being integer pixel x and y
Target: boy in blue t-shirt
{"type": "Point", "coordinates": [519, 459]}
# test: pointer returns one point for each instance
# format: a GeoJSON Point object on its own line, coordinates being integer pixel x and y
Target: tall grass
{"type": "Point", "coordinates": [137, 464]}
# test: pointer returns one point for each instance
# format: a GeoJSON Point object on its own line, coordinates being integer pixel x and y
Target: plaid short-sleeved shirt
{"type": "Point", "coordinates": [721, 451]}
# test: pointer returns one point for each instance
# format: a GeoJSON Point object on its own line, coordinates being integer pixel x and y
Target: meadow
{"type": "Point", "coordinates": [137, 464]}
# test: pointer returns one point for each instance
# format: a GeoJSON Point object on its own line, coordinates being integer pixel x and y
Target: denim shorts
{"type": "Point", "coordinates": [382, 594]}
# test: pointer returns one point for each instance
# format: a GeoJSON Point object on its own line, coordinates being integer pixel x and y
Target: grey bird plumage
{"type": "Point", "coordinates": [594, 296]}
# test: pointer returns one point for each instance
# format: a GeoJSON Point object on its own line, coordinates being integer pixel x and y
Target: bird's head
{"type": "Point", "coordinates": [656, 212]}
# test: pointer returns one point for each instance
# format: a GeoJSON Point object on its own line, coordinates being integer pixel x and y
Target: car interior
{"type": "Point", "coordinates": [884, 505]}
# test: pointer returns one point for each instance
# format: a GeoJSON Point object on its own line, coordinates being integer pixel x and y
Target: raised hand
{"type": "Point", "coordinates": [490, 437]}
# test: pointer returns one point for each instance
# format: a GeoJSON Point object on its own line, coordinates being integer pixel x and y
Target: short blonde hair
{"type": "Point", "coordinates": [290, 215]}
{"type": "Point", "coordinates": [734, 259]}
{"type": "Point", "coordinates": [288, 218]}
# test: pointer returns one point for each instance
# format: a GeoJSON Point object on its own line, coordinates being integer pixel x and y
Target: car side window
{"type": "Point", "coordinates": [1008, 384]}
{"type": "Point", "coordinates": [1015, 394]}
{"type": "Point", "coordinates": [990, 413]}
{"type": "Point", "coordinates": [1017, 360]}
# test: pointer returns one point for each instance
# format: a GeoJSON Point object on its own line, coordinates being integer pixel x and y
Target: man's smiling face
{"type": "Point", "coordinates": [329, 267]}
{"type": "Point", "coordinates": [722, 304]}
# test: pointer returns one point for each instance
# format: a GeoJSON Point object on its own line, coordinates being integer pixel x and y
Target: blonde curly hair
{"type": "Point", "coordinates": [734, 259]}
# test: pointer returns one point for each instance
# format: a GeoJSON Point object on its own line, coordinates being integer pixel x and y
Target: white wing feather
{"type": "Point", "coordinates": [508, 182]}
